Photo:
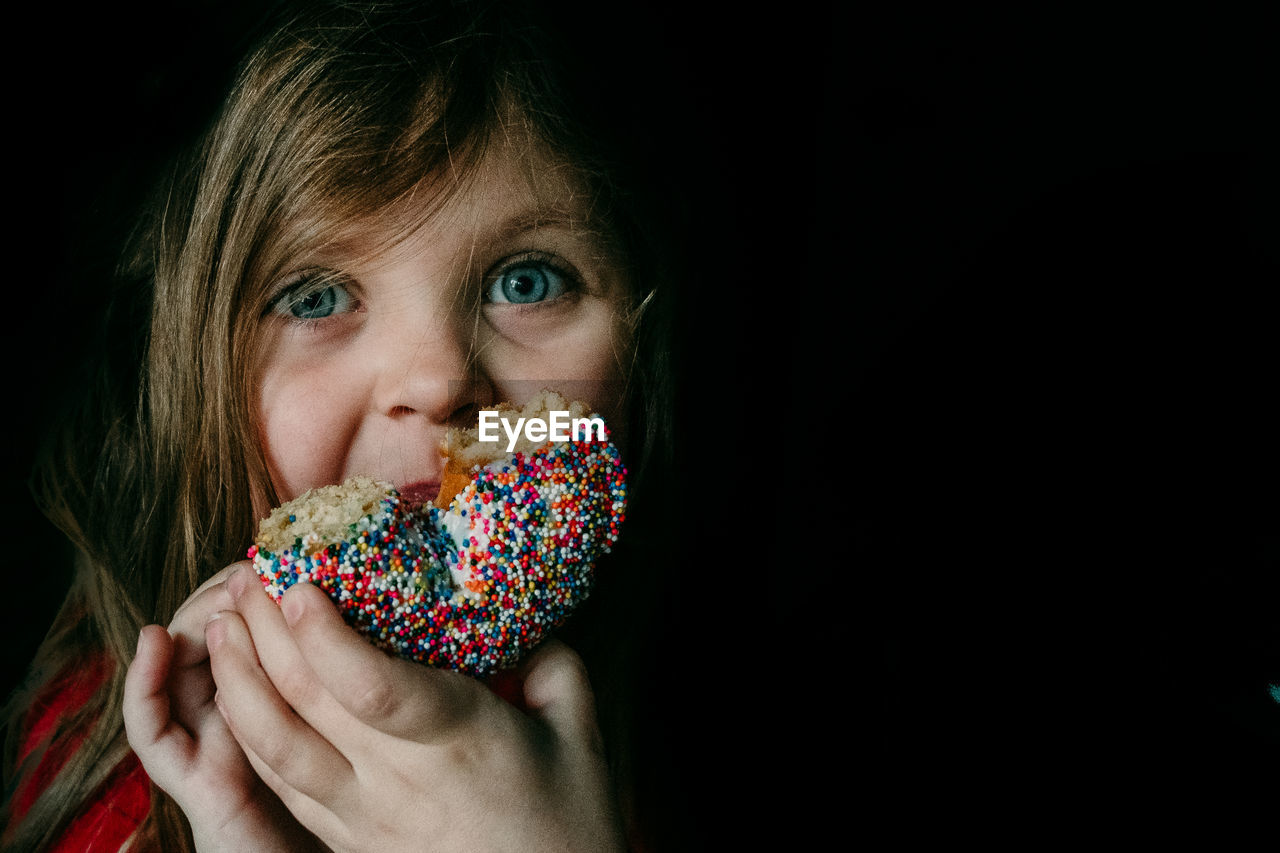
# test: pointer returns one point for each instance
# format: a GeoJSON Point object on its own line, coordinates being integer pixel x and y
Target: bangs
{"type": "Point", "coordinates": [340, 128]}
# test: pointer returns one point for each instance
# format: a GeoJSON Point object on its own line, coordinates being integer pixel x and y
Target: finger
{"type": "Point", "coordinates": [316, 817]}
{"type": "Point", "coordinates": [557, 689]}
{"type": "Point", "coordinates": [199, 606]}
{"type": "Point", "coordinates": [263, 723]}
{"type": "Point", "coordinates": [190, 692]}
{"type": "Point", "coordinates": [163, 746]}
{"type": "Point", "coordinates": [280, 658]}
{"type": "Point", "coordinates": [187, 625]}
{"type": "Point", "coordinates": [394, 696]}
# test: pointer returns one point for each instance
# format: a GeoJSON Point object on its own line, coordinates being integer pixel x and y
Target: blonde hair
{"type": "Point", "coordinates": [342, 111]}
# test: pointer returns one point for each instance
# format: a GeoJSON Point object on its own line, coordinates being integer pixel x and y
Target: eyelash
{"type": "Point", "coordinates": [566, 272]}
{"type": "Point", "coordinates": [301, 285]}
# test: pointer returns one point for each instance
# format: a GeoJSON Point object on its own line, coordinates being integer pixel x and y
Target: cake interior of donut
{"type": "Point", "coordinates": [465, 452]}
{"type": "Point", "coordinates": [321, 516]}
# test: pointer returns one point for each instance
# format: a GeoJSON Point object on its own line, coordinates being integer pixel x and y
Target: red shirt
{"type": "Point", "coordinates": [121, 805]}
{"type": "Point", "coordinates": [124, 801]}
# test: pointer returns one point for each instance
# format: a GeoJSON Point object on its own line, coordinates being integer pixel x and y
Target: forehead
{"type": "Point", "coordinates": [514, 179]}
{"type": "Point", "coordinates": [514, 186]}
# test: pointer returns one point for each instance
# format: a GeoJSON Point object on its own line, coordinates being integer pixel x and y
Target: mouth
{"type": "Point", "coordinates": [421, 492]}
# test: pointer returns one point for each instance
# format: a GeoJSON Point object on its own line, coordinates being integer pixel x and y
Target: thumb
{"type": "Point", "coordinates": [557, 690]}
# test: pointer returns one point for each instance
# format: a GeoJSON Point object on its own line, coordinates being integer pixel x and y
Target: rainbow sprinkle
{"type": "Point", "coordinates": [472, 587]}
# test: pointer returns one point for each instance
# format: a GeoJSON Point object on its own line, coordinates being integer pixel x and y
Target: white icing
{"type": "Point", "coordinates": [460, 529]}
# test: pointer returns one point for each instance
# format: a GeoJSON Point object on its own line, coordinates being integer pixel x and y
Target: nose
{"type": "Point", "coordinates": [429, 372]}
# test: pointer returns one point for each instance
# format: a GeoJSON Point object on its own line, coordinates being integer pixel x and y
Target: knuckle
{"type": "Point", "coordinates": [296, 685]}
{"type": "Point", "coordinates": [560, 670]}
{"type": "Point", "coordinates": [374, 699]}
{"type": "Point", "coordinates": [571, 667]}
{"type": "Point", "coordinates": [277, 751]}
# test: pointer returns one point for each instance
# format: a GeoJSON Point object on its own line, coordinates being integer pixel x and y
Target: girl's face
{"type": "Point", "coordinates": [370, 355]}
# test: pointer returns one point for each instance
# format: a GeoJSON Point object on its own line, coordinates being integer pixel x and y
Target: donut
{"type": "Point", "coordinates": [475, 579]}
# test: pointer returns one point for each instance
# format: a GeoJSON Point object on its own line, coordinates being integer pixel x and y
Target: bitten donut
{"type": "Point", "coordinates": [476, 579]}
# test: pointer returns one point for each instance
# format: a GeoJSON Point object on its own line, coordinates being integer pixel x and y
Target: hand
{"type": "Point", "coordinates": [371, 752]}
{"type": "Point", "coordinates": [184, 744]}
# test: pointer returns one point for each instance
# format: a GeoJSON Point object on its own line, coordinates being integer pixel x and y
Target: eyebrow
{"type": "Point", "coordinates": [557, 216]}
{"type": "Point", "coordinates": [572, 218]}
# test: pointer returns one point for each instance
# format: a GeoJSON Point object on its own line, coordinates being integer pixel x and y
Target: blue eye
{"type": "Point", "coordinates": [526, 282]}
{"type": "Point", "coordinates": [302, 302]}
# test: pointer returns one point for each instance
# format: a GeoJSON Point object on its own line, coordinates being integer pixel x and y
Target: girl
{"type": "Point", "coordinates": [398, 217]}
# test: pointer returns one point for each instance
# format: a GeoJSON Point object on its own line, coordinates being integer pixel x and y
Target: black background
{"type": "Point", "coordinates": [992, 300]}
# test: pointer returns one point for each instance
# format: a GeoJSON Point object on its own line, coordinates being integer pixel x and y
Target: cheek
{"type": "Point", "coordinates": [547, 346]}
{"type": "Point", "coordinates": [582, 360]}
{"type": "Point", "coordinates": [305, 423]}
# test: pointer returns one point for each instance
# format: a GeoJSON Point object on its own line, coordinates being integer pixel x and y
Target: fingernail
{"type": "Point", "coordinates": [235, 584]}
{"type": "Point", "coordinates": [291, 607]}
{"type": "Point", "coordinates": [214, 632]}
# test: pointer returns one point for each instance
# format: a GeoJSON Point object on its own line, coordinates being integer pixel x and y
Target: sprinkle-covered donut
{"type": "Point", "coordinates": [470, 586]}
